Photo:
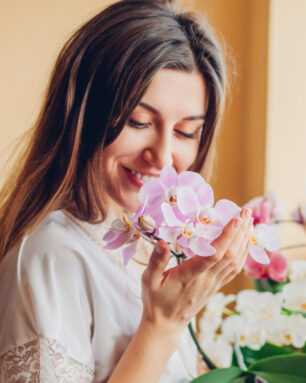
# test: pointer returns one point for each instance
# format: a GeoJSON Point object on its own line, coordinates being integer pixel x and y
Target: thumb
{"type": "Point", "coordinates": [158, 261]}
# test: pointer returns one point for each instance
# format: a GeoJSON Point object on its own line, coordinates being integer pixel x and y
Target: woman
{"type": "Point", "coordinates": [137, 87]}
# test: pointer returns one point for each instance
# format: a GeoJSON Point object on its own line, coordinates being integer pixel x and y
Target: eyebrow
{"type": "Point", "coordinates": [155, 111]}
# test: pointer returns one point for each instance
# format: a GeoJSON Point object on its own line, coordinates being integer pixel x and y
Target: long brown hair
{"type": "Point", "coordinates": [99, 77]}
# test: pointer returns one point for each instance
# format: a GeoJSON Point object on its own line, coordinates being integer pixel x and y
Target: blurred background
{"type": "Point", "coordinates": [262, 143]}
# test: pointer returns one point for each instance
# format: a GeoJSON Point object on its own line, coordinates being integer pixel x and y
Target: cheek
{"type": "Point", "coordinates": [185, 154]}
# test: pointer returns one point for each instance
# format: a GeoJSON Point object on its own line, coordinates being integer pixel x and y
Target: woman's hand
{"type": "Point", "coordinates": [171, 298]}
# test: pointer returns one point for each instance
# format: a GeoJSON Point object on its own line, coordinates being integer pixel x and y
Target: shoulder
{"type": "Point", "coordinates": [56, 241]}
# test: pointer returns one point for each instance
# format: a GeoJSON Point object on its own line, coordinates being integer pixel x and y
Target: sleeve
{"type": "Point", "coordinates": [47, 313]}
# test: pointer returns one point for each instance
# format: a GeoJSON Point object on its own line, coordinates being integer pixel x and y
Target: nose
{"type": "Point", "coordinates": [159, 152]}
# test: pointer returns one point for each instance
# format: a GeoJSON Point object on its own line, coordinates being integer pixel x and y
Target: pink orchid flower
{"type": "Point", "coordinates": [190, 235]}
{"type": "Point", "coordinates": [192, 221]}
{"type": "Point", "coordinates": [277, 269]}
{"type": "Point", "coordinates": [125, 231]}
{"type": "Point", "coordinates": [166, 189]}
{"type": "Point", "coordinates": [263, 238]}
{"type": "Point", "coordinates": [267, 208]}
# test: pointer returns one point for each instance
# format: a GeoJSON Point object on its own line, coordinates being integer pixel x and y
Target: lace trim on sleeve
{"type": "Point", "coordinates": [42, 360]}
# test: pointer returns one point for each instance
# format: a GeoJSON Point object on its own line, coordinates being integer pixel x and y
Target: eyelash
{"type": "Point", "coordinates": [138, 125]}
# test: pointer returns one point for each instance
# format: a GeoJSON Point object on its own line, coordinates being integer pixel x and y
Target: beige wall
{"type": "Point", "coordinates": [263, 141]}
{"type": "Point", "coordinates": [286, 118]}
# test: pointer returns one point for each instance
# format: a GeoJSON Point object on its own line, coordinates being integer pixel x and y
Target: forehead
{"type": "Point", "coordinates": [177, 92]}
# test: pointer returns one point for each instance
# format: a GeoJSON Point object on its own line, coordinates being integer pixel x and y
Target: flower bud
{"type": "Point", "coordinates": [147, 224]}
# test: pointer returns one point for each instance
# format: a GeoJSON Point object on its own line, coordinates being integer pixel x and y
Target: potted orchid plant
{"type": "Point", "coordinates": [180, 209]}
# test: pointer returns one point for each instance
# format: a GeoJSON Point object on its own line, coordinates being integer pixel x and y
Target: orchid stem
{"type": "Point", "coordinates": [286, 221]}
{"type": "Point", "coordinates": [179, 258]}
{"type": "Point", "coordinates": [205, 358]}
{"type": "Point", "coordinates": [293, 247]}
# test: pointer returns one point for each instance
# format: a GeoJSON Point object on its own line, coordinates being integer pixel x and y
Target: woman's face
{"type": "Point", "coordinates": [164, 129]}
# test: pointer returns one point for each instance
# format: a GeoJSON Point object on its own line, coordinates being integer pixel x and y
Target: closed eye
{"type": "Point", "coordinates": [186, 135]}
{"type": "Point", "coordinates": [139, 125]}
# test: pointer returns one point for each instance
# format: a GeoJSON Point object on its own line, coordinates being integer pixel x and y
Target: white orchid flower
{"type": "Point", "coordinates": [247, 332]}
{"type": "Point", "coordinates": [218, 350]}
{"type": "Point", "coordinates": [287, 330]}
{"type": "Point", "coordinates": [212, 316]}
{"type": "Point", "coordinates": [297, 271]}
{"type": "Point", "coordinates": [295, 296]}
{"type": "Point", "coordinates": [259, 305]}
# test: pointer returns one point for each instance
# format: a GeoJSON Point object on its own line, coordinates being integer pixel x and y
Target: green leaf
{"type": "Point", "coordinates": [270, 285]}
{"type": "Point", "coordinates": [251, 356]}
{"type": "Point", "coordinates": [281, 369]}
{"type": "Point", "coordinates": [220, 375]}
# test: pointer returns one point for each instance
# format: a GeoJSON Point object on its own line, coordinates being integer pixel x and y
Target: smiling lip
{"type": "Point", "coordinates": [137, 181]}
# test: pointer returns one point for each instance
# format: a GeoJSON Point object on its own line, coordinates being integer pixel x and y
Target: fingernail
{"type": "Point", "coordinates": [237, 223]}
{"type": "Point", "coordinates": [159, 249]}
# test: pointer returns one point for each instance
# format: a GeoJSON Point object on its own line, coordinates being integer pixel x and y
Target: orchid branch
{"type": "Point", "coordinates": [205, 358]}
{"type": "Point", "coordinates": [293, 246]}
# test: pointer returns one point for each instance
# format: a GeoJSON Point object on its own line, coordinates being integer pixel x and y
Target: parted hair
{"type": "Point", "coordinates": [98, 79]}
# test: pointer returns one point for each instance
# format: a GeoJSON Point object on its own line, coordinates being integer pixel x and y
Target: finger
{"type": "Point", "coordinates": [235, 267]}
{"type": "Point", "coordinates": [222, 243]}
{"type": "Point", "coordinates": [230, 276]}
{"type": "Point", "coordinates": [232, 256]}
{"type": "Point", "coordinates": [199, 264]}
{"type": "Point", "coordinates": [158, 262]}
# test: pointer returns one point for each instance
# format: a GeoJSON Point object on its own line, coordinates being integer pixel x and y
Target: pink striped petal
{"type": "Point", "coordinates": [119, 241]}
{"type": "Point", "coordinates": [201, 247]}
{"type": "Point", "coordinates": [109, 236]}
{"type": "Point", "coordinates": [128, 252]}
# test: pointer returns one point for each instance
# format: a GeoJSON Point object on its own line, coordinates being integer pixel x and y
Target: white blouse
{"type": "Point", "coordinates": [69, 308]}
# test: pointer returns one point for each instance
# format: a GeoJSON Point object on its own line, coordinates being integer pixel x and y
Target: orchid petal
{"type": "Point", "coordinates": [169, 215]}
{"type": "Point", "coordinates": [254, 269]}
{"type": "Point", "coordinates": [191, 179]}
{"type": "Point", "coordinates": [226, 210]}
{"type": "Point", "coordinates": [169, 234]}
{"type": "Point", "coordinates": [205, 195]}
{"type": "Point", "coordinates": [188, 252]}
{"type": "Point", "coordinates": [201, 247]}
{"type": "Point", "coordinates": [183, 241]}
{"type": "Point", "coordinates": [278, 267]}
{"type": "Point", "coordinates": [140, 211]}
{"type": "Point", "coordinates": [109, 236]}
{"type": "Point", "coordinates": [119, 241]}
{"type": "Point", "coordinates": [152, 189]}
{"type": "Point", "coordinates": [168, 177]}
{"type": "Point", "coordinates": [267, 236]}
{"type": "Point", "coordinates": [128, 252]}
{"type": "Point", "coordinates": [259, 254]}
{"type": "Point", "coordinates": [187, 200]}
{"type": "Point", "coordinates": [212, 232]}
